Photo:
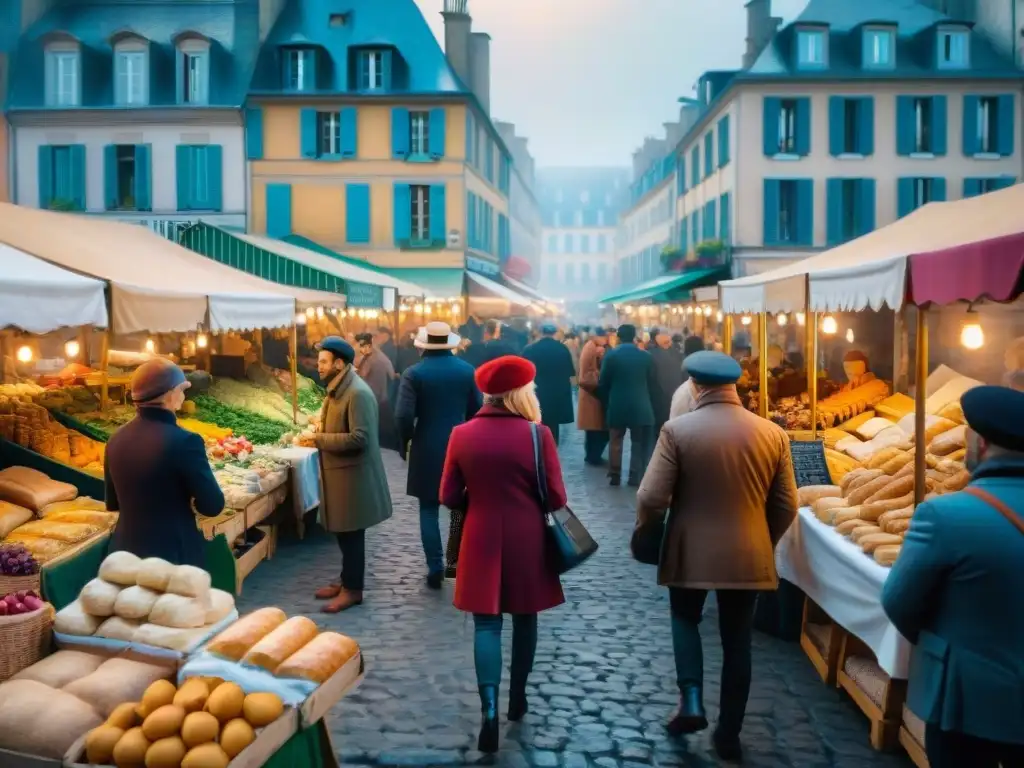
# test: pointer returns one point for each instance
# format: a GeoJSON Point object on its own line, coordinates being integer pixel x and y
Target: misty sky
{"type": "Point", "coordinates": [587, 80]}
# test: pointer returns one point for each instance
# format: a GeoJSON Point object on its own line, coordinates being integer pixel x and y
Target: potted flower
{"type": "Point", "coordinates": [672, 259]}
{"type": "Point", "coordinates": [709, 252]}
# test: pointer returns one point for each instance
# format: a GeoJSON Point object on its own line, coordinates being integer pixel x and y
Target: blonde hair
{"type": "Point", "coordinates": [522, 402]}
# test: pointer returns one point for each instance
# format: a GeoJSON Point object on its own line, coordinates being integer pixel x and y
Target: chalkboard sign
{"type": "Point", "coordinates": [809, 463]}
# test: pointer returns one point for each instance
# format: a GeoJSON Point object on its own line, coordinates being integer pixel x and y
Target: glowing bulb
{"type": "Point", "coordinates": [300, 319]}
{"type": "Point", "coordinates": [419, 309]}
{"type": "Point", "coordinates": [707, 311]}
{"type": "Point", "coordinates": [972, 336]}
{"type": "Point", "coordinates": [689, 310]}
{"type": "Point", "coordinates": [202, 341]}
{"type": "Point", "coordinates": [24, 354]}
{"type": "Point", "coordinates": [719, 316]}
{"type": "Point", "coordinates": [781, 319]}
{"type": "Point", "coordinates": [829, 325]}
{"type": "Point", "coordinates": [319, 312]}
{"type": "Point", "coordinates": [746, 320]}
{"type": "Point", "coordinates": [310, 311]}
{"type": "Point", "coordinates": [801, 318]}
{"type": "Point", "coordinates": [455, 309]}
{"type": "Point", "coordinates": [849, 335]}
{"type": "Point", "coordinates": [71, 349]}
{"type": "Point", "coordinates": [150, 346]}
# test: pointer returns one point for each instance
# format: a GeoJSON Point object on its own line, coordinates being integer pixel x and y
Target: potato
{"type": "Point", "coordinates": [163, 723]}
{"type": "Point", "coordinates": [124, 716]}
{"type": "Point", "coordinates": [236, 736]}
{"type": "Point", "coordinates": [199, 728]}
{"type": "Point", "coordinates": [226, 702]}
{"type": "Point", "coordinates": [206, 756]}
{"type": "Point", "coordinates": [100, 743]}
{"type": "Point", "coordinates": [159, 694]}
{"type": "Point", "coordinates": [261, 709]}
{"type": "Point", "coordinates": [192, 695]}
{"type": "Point", "coordinates": [166, 753]}
{"type": "Point", "coordinates": [130, 751]}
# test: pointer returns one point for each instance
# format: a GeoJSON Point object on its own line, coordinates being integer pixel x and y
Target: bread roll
{"type": "Point", "coordinates": [809, 494]}
{"type": "Point", "coordinates": [320, 658]}
{"type": "Point", "coordinates": [850, 477]}
{"type": "Point", "coordinates": [282, 642]}
{"type": "Point", "coordinates": [895, 488]}
{"type": "Point", "coordinates": [235, 641]}
{"type": "Point", "coordinates": [845, 515]}
{"type": "Point", "coordinates": [948, 441]}
{"type": "Point", "coordinates": [880, 459]}
{"type": "Point", "coordinates": [957, 455]}
{"type": "Point", "coordinates": [823, 508]}
{"type": "Point", "coordinates": [886, 554]}
{"type": "Point", "coordinates": [849, 526]}
{"type": "Point", "coordinates": [899, 526]}
{"type": "Point", "coordinates": [875, 510]}
{"type": "Point", "coordinates": [957, 482]}
{"type": "Point", "coordinates": [861, 480]}
{"type": "Point", "coordinates": [898, 462]}
{"type": "Point", "coordinates": [863, 492]}
{"type": "Point", "coordinates": [858, 533]}
{"type": "Point", "coordinates": [897, 514]}
{"type": "Point", "coordinates": [872, 541]}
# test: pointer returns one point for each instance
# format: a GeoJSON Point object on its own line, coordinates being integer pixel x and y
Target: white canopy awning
{"type": "Point", "coordinates": [498, 291]}
{"type": "Point", "coordinates": [156, 285]}
{"type": "Point", "coordinates": [39, 297]}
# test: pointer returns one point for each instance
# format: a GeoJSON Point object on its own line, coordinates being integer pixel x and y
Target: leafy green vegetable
{"type": "Point", "coordinates": [311, 398]}
{"type": "Point", "coordinates": [259, 429]}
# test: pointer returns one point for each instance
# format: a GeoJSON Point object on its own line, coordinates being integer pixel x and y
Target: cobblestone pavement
{"type": "Point", "coordinates": [603, 684]}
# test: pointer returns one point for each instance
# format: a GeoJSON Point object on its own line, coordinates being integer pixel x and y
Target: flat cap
{"type": "Point", "coordinates": [549, 329]}
{"type": "Point", "coordinates": [712, 368]}
{"type": "Point", "coordinates": [339, 347]}
{"type": "Point", "coordinates": [505, 374]}
{"type": "Point", "coordinates": [997, 414]}
{"type": "Point", "coordinates": [155, 378]}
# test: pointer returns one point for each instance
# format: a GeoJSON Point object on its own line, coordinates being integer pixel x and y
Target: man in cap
{"type": "Point", "coordinates": [726, 477]}
{"type": "Point", "coordinates": [435, 396]}
{"type": "Point", "coordinates": [555, 372]}
{"type": "Point", "coordinates": [956, 591]}
{"type": "Point", "coordinates": [590, 412]}
{"type": "Point", "coordinates": [376, 370]}
{"type": "Point", "coordinates": [155, 473]}
{"type": "Point", "coordinates": [355, 485]}
{"type": "Point", "coordinates": [492, 347]}
{"type": "Point", "coordinates": [668, 369]}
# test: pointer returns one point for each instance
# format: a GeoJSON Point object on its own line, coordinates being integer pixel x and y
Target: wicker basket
{"type": "Point", "coordinates": [24, 639]}
{"type": "Point", "coordinates": [9, 584]}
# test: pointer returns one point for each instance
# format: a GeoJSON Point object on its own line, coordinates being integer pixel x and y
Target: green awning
{"type": "Point", "coordinates": [667, 286]}
{"type": "Point", "coordinates": [438, 283]}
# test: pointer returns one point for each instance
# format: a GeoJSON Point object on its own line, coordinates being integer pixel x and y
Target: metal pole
{"type": "Point", "coordinates": [105, 369]}
{"type": "Point", "coordinates": [727, 334]}
{"type": "Point", "coordinates": [811, 351]}
{"type": "Point", "coordinates": [762, 357]}
{"type": "Point", "coordinates": [920, 396]}
{"type": "Point", "coordinates": [293, 355]}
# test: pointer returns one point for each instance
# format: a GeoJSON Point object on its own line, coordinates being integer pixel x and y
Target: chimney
{"type": "Point", "coordinates": [32, 11]}
{"type": "Point", "coordinates": [761, 27]}
{"type": "Point", "coordinates": [480, 68]}
{"type": "Point", "coordinates": [457, 33]}
{"type": "Point", "coordinates": [689, 113]}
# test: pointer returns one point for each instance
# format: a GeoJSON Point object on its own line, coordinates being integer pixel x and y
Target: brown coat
{"type": "Point", "coordinates": [590, 412]}
{"type": "Point", "coordinates": [376, 370]}
{"type": "Point", "coordinates": [355, 486]}
{"type": "Point", "coordinates": [726, 477]}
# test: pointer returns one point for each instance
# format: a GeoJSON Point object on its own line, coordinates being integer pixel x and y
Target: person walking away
{"type": "Point", "coordinates": [555, 372]}
{"type": "Point", "coordinates": [726, 477]}
{"type": "Point", "coordinates": [490, 468]}
{"type": "Point", "coordinates": [408, 356]}
{"type": "Point", "coordinates": [376, 370]}
{"type": "Point", "coordinates": [627, 388]}
{"type": "Point", "coordinates": [668, 369]}
{"type": "Point", "coordinates": [957, 592]}
{"type": "Point", "coordinates": [385, 343]}
{"type": "Point", "coordinates": [155, 472]}
{"type": "Point", "coordinates": [572, 343]}
{"type": "Point", "coordinates": [590, 411]}
{"type": "Point", "coordinates": [435, 396]}
{"type": "Point", "coordinates": [492, 347]}
{"type": "Point", "coordinates": [355, 486]}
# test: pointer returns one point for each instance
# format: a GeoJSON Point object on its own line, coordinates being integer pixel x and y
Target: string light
{"type": "Point", "coordinates": [829, 325]}
{"type": "Point", "coordinates": [719, 316]}
{"type": "Point", "coordinates": [781, 319]}
{"type": "Point", "coordinates": [746, 320]}
{"type": "Point", "coordinates": [202, 341]}
{"type": "Point", "coordinates": [300, 319]}
{"type": "Point", "coordinates": [972, 336]}
{"type": "Point", "coordinates": [801, 318]}
{"type": "Point", "coordinates": [849, 335]}
{"type": "Point", "coordinates": [319, 312]}
{"type": "Point", "coordinates": [150, 346]}
{"type": "Point", "coordinates": [310, 311]}
{"type": "Point", "coordinates": [71, 349]}
{"type": "Point", "coordinates": [24, 354]}
{"type": "Point", "coordinates": [707, 310]}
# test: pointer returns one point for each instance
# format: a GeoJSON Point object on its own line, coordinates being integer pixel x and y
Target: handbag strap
{"type": "Point", "coordinates": [1002, 508]}
{"type": "Point", "coordinates": [541, 473]}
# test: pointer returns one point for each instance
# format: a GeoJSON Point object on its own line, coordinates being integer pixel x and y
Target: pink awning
{"type": "Point", "coordinates": [986, 269]}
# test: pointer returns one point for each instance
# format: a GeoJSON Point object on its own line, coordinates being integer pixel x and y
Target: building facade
{"type": "Point", "coordinates": [524, 209]}
{"type": "Point", "coordinates": [9, 29]}
{"type": "Point", "coordinates": [580, 209]}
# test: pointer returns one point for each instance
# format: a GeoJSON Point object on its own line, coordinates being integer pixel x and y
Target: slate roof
{"type": "Point", "coordinates": [420, 66]}
{"type": "Point", "coordinates": [232, 28]}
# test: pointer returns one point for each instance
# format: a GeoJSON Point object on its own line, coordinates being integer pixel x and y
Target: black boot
{"type": "Point", "coordinates": [517, 704]}
{"type": "Point", "coordinates": [727, 747]}
{"type": "Point", "coordinates": [488, 739]}
{"type": "Point", "coordinates": [614, 480]}
{"type": "Point", "coordinates": [690, 717]}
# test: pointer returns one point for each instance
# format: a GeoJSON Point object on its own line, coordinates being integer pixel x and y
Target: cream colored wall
{"type": "Point", "coordinates": [722, 180]}
{"type": "Point", "coordinates": [634, 236]}
{"type": "Point", "coordinates": [479, 186]}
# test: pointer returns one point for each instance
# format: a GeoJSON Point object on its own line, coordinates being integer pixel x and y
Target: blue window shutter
{"type": "Point", "coordinates": [906, 130]}
{"type": "Point", "coordinates": [399, 133]}
{"type": "Point", "coordinates": [866, 125]}
{"type": "Point", "coordinates": [803, 126]}
{"type": "Point", "coordinates": [385, 59]}
{"type": "Point", "coordinates": [360, 70]}
{"type": "Point", "coordinates": [772, 108]}
{"type": "Point", "coordinates": [834, 211]}
{"type": "Point", "coordinates": [904, 196]}
{"type": "Point", "coordinates": [971, 139]}
{"type": "Point", "coordinates": [725, 225]}
{"type": "Point", "coordinates": [78, 175]}
{"type": "Point", "coordinates": [489, 145]}
{"type": "Point", "coordinates": [179, 67]}
{"type": "Point", "coordinates": [723, 142]}
{"type": "Point", "coordinates": [695, 227]}
{"type": "Point", "coordinates": [215, 175]}
{"type": "Point", "coordinates": [307, 133]}
{"type": "Point", "coordinates": [402, 213]}
{"type": "Point", "coordinates": [939, 125]}
{"type": "Point", "coordinates": [45, 173]}
{"type": "Point", "coordinates": [1005, 126]}
{"type": "Point", "coordinates": [836, 125]}
{"type": "Point", "coordinates": [309, 67]}
{"type": "Point", "coordinates": [680, 175]}
{"type": "Point", "coordinates": [771, 211]}
{"type": "Point", "coordinates": [709, 153]}
{"type": "Point", "coordinates": [143, 177]}
{"type": "Point", "coordinates": [972, 187]}
{"type": "Point", "coordinates": [438, 214]}
{"type": "Point", "coordinates": [357, 213]}
{"type": "Point", "coordinates": [436, 138]}
{"type": "Point", "coordinates": [683, 233]}
{"type": "Point", "coordinates": [110, 177]}
{"type": "Point", "coordinates": [709, 221]}
{"type": "Point", "coordinates": [254, 133]}
{"type": "Point", "coordinates": [1005, 181]}
{"type": "Point", "coordinates": [938, 190]}
{"type": "Point", "coordinates": [695, 166]}
{"type": "Point", "coordinates": [865, 206]}
{"type": "Point", "coordinates": [349, 132]}
{"type": "Point", "coordinates": [279, 210]}
{"type": "Point", "coordinates": [183, 176]}
{"type": "Point", "coordinates": [805, 211]}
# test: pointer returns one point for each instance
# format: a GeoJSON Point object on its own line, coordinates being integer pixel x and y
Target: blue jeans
{"type": "Point", "coordinates": [430, 536]}
{"type": "Point", "coordinates": [487, 648]}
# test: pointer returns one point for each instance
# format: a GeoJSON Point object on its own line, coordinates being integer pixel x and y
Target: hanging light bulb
{"type": "Point", "coordinates": [300, 319]}
{"type": "Point", "coordinates": [719, 316]}
{"type": "Point", "coordinates": [801, 318]}
{"type": "Point", "coordinates": [746, 320]}
{"type": "Point", "coordinates": [310, 311]}
{"type": "Point", "coordinates": [782, 318]}
{"type": "Point", "coordinates": [972, 336]}
{"type": "Point", "coordinates": [707, 310]}
{"type": "Point", "coordinates": [829, 325]}
{"type": "Point", "coordinates": [24, 354]}
{"type": "Point", "coordinates": [150, 346]}
{"type": "Point", "coordinates": [319, 312]}
{"type": "Point", "coordinates": [455, 309]}
{"type": "Point", "coordinates": [849, 336]}
{"type": "Point", "coordinates": [419, 309]}
{"type": "Point", "coordinates": [202, 341]}
{"type": "Point", "coordinates": [689, 310]}
{"type": "Point", "coordinates": [71, 349]}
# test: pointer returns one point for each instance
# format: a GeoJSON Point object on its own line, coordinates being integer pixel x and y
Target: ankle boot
{"type": "Point", "coordinates": [517, 704]}
{"type": "Point", "coordinates": [488, 739]}
{"type": "Point", "coordinates": [690, 717]}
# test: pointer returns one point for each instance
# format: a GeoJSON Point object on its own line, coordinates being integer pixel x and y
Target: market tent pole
{"type": "Point", "coordinates": [901, 351]}
{"type": "Point", "coordinates": [727, 334]}
{"type": "Point", "coordinates": [762, 356]}
{"type": "Point", "coordinates": [811, 354]}
{"type": "Point", "coordinates": [293, 356]}
{"type": "Point", "coordinates": [105, 368]}
{"type": "Point", "coordinates": [920, 396]}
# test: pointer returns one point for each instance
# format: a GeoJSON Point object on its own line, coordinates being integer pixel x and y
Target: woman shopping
{"type": "Point", "coordinates": [490, 471]}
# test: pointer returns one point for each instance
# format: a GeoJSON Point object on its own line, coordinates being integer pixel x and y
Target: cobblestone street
{"type": "Point", "coordinates": [603, 685]}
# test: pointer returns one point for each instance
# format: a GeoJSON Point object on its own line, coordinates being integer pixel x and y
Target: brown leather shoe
{"type": "Point", "coordinates": [329, 592]}
{"type": "Point", "coordinates": [347, 599]}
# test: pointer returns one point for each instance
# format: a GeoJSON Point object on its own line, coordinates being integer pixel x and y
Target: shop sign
{"type": "Point", "coordinates": [363, 295]}
{"type": "Point", "coordinates": [482, 267]}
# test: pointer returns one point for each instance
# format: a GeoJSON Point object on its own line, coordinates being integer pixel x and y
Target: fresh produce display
{"type": "Point", "coordinates": [269, 403]}
{"type": "Point", "coordinates": [259, 429]}
{"type": "Point", "coordinates": [31, 426]}
{"type": "Point", "coordinates": [230, 448]}
{"type": "Point", "coordinates": [109, 421]}
{"type": "Point", "coordinates": [204, 429]}
{"type": "Point", "coordinates": [17, 603]}
{"type": "Point", "coordinates": [58, 396]}
{"type": "Point", "coordinates": [15, 560]}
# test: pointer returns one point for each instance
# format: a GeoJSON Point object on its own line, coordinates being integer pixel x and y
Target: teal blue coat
{"type": "Point", "coordinates": [555, 371]}
{"type": "Point", "coordinates": [628, 387]}
{"type": "Point", "coordinates": [957, 591]}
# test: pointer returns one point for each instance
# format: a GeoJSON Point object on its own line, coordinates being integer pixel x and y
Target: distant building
{"type": "Point", "coordinates": [9, 27]}
{"type": "Point", "coordinates": [525, 216]}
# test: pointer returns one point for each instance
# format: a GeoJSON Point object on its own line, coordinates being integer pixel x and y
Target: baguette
{"type": "Point", "coordinates": [879, 460]}
{"type": "Point", "coordinates": [957, 455]}
{"type": "Point", "coordinates": [897, 462]}
{"type": "Point", "coordinates": [893, 489]}
{"type": "Point", "coordinates": [862, 493]}
{"type": "Point", "coordinates": [850, 477]}
{"type": "Point", "coordinates": [873, 541]}
{"type": "Point", "coordinates": [878, 508]}
{"type": "Point", "coordinates": [865, 530]}
{"type": "Point", "coordinates": [845, 515]}
{"type": "Point", "coordinates": [848, 527]}
{"type": "Point", "coordinates": [900, 526]}
{"type": "Point", "coordinates": [957, 482]}
{"type": "Point", "coordinates": [809, 494]}
{"type": "Point", "coordinates": [863, 479]}
{"type": "Point", "coordinates": [822, 508]}
{"type": "Point", "coordinates": [937, 476]}
{"type": "Point", "coordinates": [897, 514]}
{"type": "Point", "coordinates": [886, 554]}
{"type": "Point", "coordinates": [906, 469]}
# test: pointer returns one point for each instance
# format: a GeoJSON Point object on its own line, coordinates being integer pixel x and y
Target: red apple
{"type": "Point", "coordinates": [3, 608]}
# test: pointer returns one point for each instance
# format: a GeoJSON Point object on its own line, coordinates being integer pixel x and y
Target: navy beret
{"type": "Point", "coordinates": [155, 378]}
{"type": "Point", "coordinates": [712, 368]}
{"type": "Point", "coordinates": [997, 414]}
{"type": "Point", "coordinates": [339, 347]}
{"type": "Point", "coordinates": [549, 329]}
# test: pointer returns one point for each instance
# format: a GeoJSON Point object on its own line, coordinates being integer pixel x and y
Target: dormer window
{"type": "Point", "coordinates": [879, 48]}
{"type": "Point", "coordinates": [374, 70]}
{"type": "Point", "coordinates": [953, 48]}
{"type": "Point", "coordinates": [131, 72]}
{"type": "Point", "coordinates": [193, 66]}
{"type": "Point", "coordinates": [299, 73]}
{"type": "Point", "coordinates": [63, 79]}
{"type": "Point", "coordinates": [810, 48]}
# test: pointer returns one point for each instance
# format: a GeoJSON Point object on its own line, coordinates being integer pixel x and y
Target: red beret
{"type": "Point", "coordinates": [504, 375]}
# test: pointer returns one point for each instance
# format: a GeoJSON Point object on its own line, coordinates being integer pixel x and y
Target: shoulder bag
{"type": "Point", "coordinates": [569, 543]}
{"type": "Point", "coordinates": [999, 506]}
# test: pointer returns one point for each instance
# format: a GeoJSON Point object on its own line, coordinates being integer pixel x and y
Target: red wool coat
{"type": "Point", "coordinates": [502, 567]}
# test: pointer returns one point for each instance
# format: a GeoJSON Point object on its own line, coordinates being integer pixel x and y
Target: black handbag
{"type": "Point", "coordinates": [645, 543]}
{"type": "Point", "coordinates": [456, 519]}
{"type": "Point", "coordinates": [569, 543]}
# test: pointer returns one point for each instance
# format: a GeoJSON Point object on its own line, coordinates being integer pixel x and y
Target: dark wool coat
{"type": "Point", "coordinates": [668, 370]}
{"type": "Point", "coordinates": [555, 371]}
{"type": "Point", "coordinates": [628, 387]}
{"type": "Point", "coordinates": [502, 563]}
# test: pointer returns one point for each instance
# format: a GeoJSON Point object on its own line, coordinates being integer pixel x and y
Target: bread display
{"type": "Point", "coordinates": [235, 641]}
{"type": "Point", "coordinates": [886, 555]}
{"type": "Point", "coordinates": [320, 658]}
{"type": "Point", "coordinates": [871, 541]}
{"type": "Point", "coordinates": [824, 508]}
{"type": "Point", "coordinates": [283, 641]}
{"type": "Point", "coordinates": [809, 494]}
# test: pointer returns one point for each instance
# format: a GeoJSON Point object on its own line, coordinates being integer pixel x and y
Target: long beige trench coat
{"type": "Point", "coordinates": [589, 411]}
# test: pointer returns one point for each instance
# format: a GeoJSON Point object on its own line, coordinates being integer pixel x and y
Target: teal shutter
{"type": "Point", "coordinates": [695, 227]}
{"type": "Point", "coordinates": [865, 211]}
{"type": "Point", "coordinates": [307, 133]}
{"type": "Point", "coordinates": [710, 227]}
{"type": "Point", "coordinates": [357, 213]}
{"type": "Point", "coordinates": [402, 213]}
{"type": "Point", "coordinates": [349, 132]}
{"type": "Point", "coordinates": [836, 125]}
{"type": "Point", "coordinates": [438, 214]}
{"type": "Point", "coordinates": [834, 211]}
{"type": "Point", "coordinates": [254, 133]}
{"type": "Point", "coordinates": [680, 175]}
{"type": "Point", "coordinates": [489, 161]}
{"type": "Point", "coordinates": [683, 236]}
{"type": "Point", "coordinates": [361, 76]}
{"type": "Point", "coordinates": [279, 210]}
{"type": "Point", "coordinates": [399, 133]}
{"type": "Point", "coordinates": [179, 67]}
{"type": "Point", "coordinates": [143, 177]}
{"type": "Point", "coordinates": [972, 187]}
{"type": "Point", "coordinates": [772, 109]}
{"type": "Point", "coordinates": [695, 166]}
{"type": "Point", "coordinates": [469, 136]}
{"type": "Point", "coordinates": [805, 211]}
{"type": "Point", "coordinates": [77, 174]}
{"type": "Point", "coordinates": [215, 176]}
{"type": "Point", "coordinates": [725, 214]}
{"type": "Point", "coordinates": [940, 120]}
{"type": "Point", "coordinates": [183, 154]}
{"type": "Point", "coordinates": [723, 142]}
{"type": "Point", "coordinates": [1005, 181]}
{"type": "Point", "coordinates": [436, 133]}
{"type": "Point", "coordinates": [803, 126]}
{"type": "Point", "coordinates": [45, 174]}
{"type": "Point", "coordinates": [110, 177]}
{"type": "Point", "coordinates": [1005, 125]}
{"type": "Point", "coordinates": [385, 60]}
{"type": "Point", "coordinates": [906, 131]}
{"type": "Point", "coordinates": [972, 143]}
{"type": "Point", "coordinates": [709, 153]}
{"type": "Point", "coordinates": [771, 211]}
{"type": "Point", "coordinates": [471, 220]}
{"type": "Point", "coordinates": [865, 143]}
{"type": "Point", "coordinates": [938, 190]}
{"type": "Point", "coordinates": [904, 196]}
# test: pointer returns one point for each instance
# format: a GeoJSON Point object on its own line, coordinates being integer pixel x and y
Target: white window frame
{"type": "Point", "coordinates": [922, 126]}
{"type": "Point", "coordinates": [419, 227]}
{"type": "Point", "coordinates": [811, 48]}
{"type": "Point", "coordinates": [419, 133]}
{"type": "Point", "coordinates": [65, 63]}
{"type": "Point", "coordinates": [195, 90]}
{"type": "Point", "coordinates": [298, 78]}
{"type": "Point", "coordinates": [328, 138]}
{"type": "Point", "coordinates": [373, 70]}
{"type": "Point", "coordinates": [958, 41]}
{"type": "Point", "coordinates": [787, 127]}
{"type": "Point", "coordinates": [131, 74]}
{"type": "Point", "coordinates": [987, 120]}
{"type": "Point", "coordinates": [922, 191]}
{"type": "Point", "coordinates": [877, 37]}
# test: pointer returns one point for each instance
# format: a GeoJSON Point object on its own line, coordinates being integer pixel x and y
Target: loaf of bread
{"type": "Point", "coordinates": [845, 515]}
{"type": "Point", "coordinates": [887, 517]}
{"type": "Point", "coordinates": [957, 455]}
{"type": "Point", "coordinates": [849, 479]}
{"type": "Point", "coordinates": [809, 494]}
{"type": "Point", "coordinates": [886, 554]}
{"type": "Point", "coordinates": [900, 526]}
{"type": "Point", "coordinates": [849, 526]}
{"type": "Point", "coordinates": [936, 427]}
{"type": "Point", "coordinates": [873, 541]}
{"type": "Point", "coordinates": [957, 482]}
{"type": "Point", "coordinates": [823, 508]}
{"type": "Point", "coordinates": [320, 658]}
{"type": "Point", "coordinates": [864, 492]}
{"type": "Point", "coordinates": [864, 530]}
{"type": "Point", "coordinates": [235, 641]}
{"type": "Point", "coordinates": [880, 459]}
{"type": "Point", "coordinates": [863, 479]}
{"type": "Point", "coordinates": [875, 510]}
{"type": "Point", "coordinates": [898, 462]}
{"type": "Point", "coordinates": [952, 411]}
{"type": "Point", "coordinates": [282, 642]}
{"type": "Point", "coordinates": [948, 441]}
{"type": "Point", "coordinates": [895, 488]}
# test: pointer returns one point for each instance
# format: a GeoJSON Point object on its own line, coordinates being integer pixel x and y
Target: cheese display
{"type": "Point", "coordinates": [31, 426]}
{"type": "Point", "coordinates": [795, 413]}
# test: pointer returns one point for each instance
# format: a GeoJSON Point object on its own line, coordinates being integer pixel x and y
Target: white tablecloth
{"type": "Point", "coordinates": [305, 476]}
{"type": "Point", "coordinates": [847, 584]}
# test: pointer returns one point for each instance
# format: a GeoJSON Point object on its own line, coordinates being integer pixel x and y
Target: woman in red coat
{"type": "Point", "coordinates": [490, 471]}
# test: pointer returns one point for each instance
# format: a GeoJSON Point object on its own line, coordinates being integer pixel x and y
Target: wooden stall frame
{"type": "Point", "coordinates": [886, 719]}
{"type": "Point", "coordinates": [915, 751]}
{"type": "Point", "coordinates": [825, 663]}
{"type": "Point", "coordinates": [762, 368]}
{"type": "Point", "coordinates": [293, 364]}
{"type": "Point", "coordinates": [920, 397]}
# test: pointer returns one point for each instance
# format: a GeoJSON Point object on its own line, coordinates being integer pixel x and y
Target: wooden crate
{"type": "Point", "coordinates": [247, 563]}
{"type": "Point", "coordinates": [874, 692]}
{"type": "Point", "coordinates": [912, 738]}
{"type": "Point", "coordinates": [821, 639]}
